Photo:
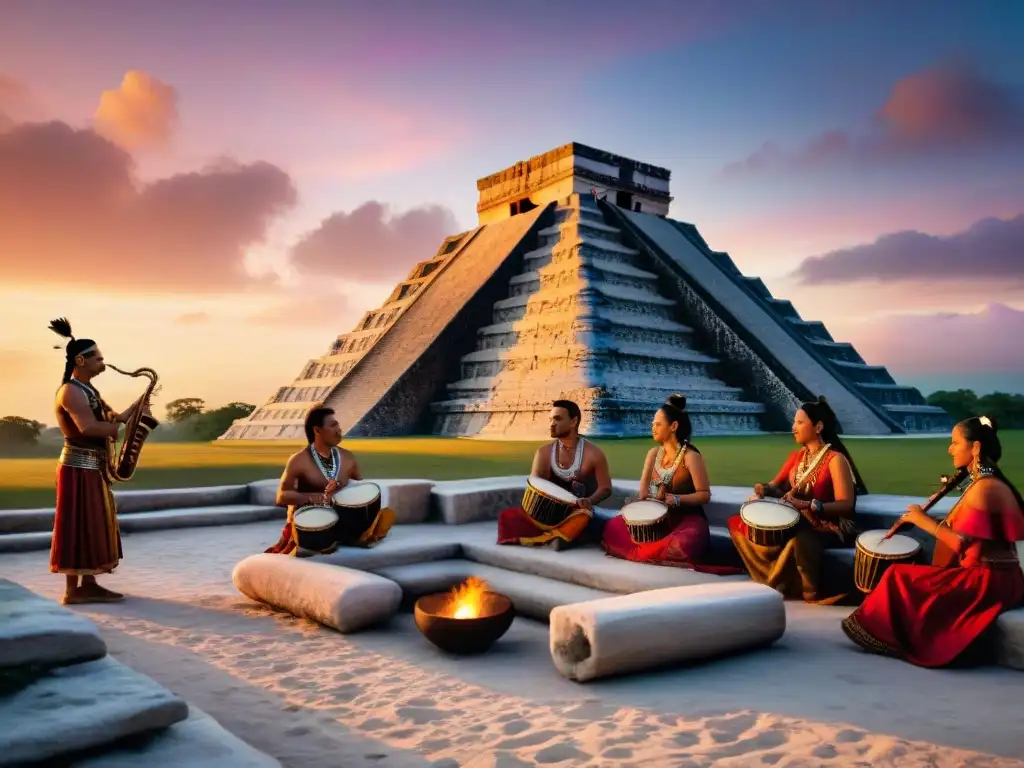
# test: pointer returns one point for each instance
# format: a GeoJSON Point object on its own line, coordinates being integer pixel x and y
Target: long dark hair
{"type": "Point", "coordinates": [74, 347]}
{"type": "Point", "coordinates": [820, 412]}
{"type": "Point", "coordinates": [674, 409]}
{"type": "Point", "coordinates": [986, 432]}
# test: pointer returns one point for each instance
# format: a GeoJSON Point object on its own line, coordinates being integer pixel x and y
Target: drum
{"type": "Point", "coordinates": [770, 522]}
{"type": "Point", "coordinates": [547, 503]}
{"type": "Point", "coordinates": [315, 527]}
{"type": "Point", "coordinates": [357, 505]}
{"type": "Point", "coordinates": [647, 521]}
{"type": "Point", "coordinates": [874, 556]}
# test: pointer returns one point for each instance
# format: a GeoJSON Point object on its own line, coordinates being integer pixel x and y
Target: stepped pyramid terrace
{"type": "Point", "coordinates": [575, 284]}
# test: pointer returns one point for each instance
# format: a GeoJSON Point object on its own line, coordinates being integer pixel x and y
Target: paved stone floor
{"type": "Point", "coordinates": [386, 697]}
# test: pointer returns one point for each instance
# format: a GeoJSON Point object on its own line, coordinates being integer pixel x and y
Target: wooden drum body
{"type": "Point", "coordinates": [770, 523]}
{"type": "Point", "coordinates": [874, 556]}
{"type": "Point", "coordinates": [357, 505]}
{"type": "Point", "coordinates": [647, 521]}
{"type": "Point", "coordinates": [315, 527]}
{"type": "Point", "coordinates": [547, 503]}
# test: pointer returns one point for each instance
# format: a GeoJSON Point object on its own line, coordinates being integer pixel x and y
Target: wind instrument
{"type": "Point", "coordinates": [949, 483]}
{"type": "Point", "coordinates": [136, 430]}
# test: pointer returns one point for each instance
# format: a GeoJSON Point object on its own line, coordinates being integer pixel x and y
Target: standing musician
{"type": "Point", "coordinates": [821, 481]}
{"type": "Point", "coordinates": [934, 615]}
{"type": "Point", "coordinates": [578, 466]}
{"type": "Point", "coordinates": [673, 473]}
{"type": "Point", "coordinates": [316, 472]}
{"type": "Point", "coordinates": [86, 538]}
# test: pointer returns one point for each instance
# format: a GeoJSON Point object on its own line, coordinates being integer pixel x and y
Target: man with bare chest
{"type": "Point", "coordinates": [313, 475]}
{"type": "Point", "coordinates": [575, 465]}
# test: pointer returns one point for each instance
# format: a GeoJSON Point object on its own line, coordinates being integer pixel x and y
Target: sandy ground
{"type": "Point", "coordinates": [312, 697]}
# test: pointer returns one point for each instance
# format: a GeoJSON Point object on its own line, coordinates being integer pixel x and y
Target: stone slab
{"type": "Point", "coordinates": [413, 544]}
{"type": "Point", "coordinates": [199, 517]}
{"type": "Point", "coordinates": [471, 501]}
{"type": "Point", "coordinates": [533, 596]}
{"type": "Point", "coordinates": [24, 542]}
{"type": "Point", "coordinates": [587, 566]}
{"type": "Point", "coordinates": [198, 742]}
{"type": "Point", "coordinates": [409, 498]}
{"type": "Point", "coordinates": [342, 598]}
{"type": "Point", "coordinates": [38, 631]}
{"type": "Point", "coordinates": [81, 707]}
{"type": "Point", "coordinates": [174, 498]}
{"type": "Point", "coordinates": [630, 633]}
{"type": "Point", "coordinates": [1009, 639]}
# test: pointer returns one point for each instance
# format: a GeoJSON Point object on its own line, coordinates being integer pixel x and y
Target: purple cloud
{"type": "Point", "coordinates": [989, 250]}
{"type": "Point", "coordinates": [947, 108]}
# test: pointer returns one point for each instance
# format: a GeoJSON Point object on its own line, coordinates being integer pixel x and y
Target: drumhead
{"type": "Point", "coordinates": [550, 489]}
{"type": "Point", "coordinates": [768, 514]}
{"type": "Point", "coordinates": [356, 494]}
{"type": "Point", "coordinates": [643, 511]}
{"type": "Point", "coordinates": [315, 518]}
{"type": "Point", "coordinates": [871, 541]}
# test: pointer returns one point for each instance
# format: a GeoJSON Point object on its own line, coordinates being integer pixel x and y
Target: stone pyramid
{"type": "Point", "coordinates": [575, 284]}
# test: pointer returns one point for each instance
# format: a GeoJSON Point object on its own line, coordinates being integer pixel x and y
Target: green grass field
{"type": "Point", "coordinates": [910, 466]}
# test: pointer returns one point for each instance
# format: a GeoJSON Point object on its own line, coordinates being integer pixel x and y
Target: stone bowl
{"type": "Point", "coordinates": [463, 636]}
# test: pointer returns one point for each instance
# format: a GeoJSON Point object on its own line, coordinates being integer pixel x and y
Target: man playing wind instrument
{"type": "Point", "coordinates": [86, 539]}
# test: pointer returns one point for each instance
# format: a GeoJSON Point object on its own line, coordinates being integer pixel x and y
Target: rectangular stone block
{"type": "Point", "coordinates": [81, 707]}
{"type": "Point", "coordinates": [471, 501]}
{"type": "Point", "coordinates": [38, 631]}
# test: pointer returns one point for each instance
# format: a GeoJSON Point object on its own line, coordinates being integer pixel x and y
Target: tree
{"type": "Point", "coordinates": [15, 430]}
{"type": "Point", "coordinates": [1006, 409]}
{"type": "Point", "coordinates": [184, 408]}
{"type": "Point", "coordinates": [959, 404]}
{"type": "Point", "coordinates": [212, 424]}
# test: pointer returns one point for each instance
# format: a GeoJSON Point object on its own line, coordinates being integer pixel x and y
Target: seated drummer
{"type": "Point", "coordinates": [316, 472]}
{"type": "Point", "coordinates": [939, 614]}
{"type": "Point", "coordinates": [578, 466]}
{"type": "Point", "coordinates": [821, 481]}
{"type": "Point", "coordinates": [673, 473]}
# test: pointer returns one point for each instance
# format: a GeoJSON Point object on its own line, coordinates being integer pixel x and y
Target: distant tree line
{"type": "Point", "coordinates": [1006, 409]}
{"type": "Point", "coordinates": [187, 420]}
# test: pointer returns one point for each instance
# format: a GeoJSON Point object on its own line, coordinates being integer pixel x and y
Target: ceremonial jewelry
{"type": "Point", "coordinates": [330, 472]}
{"type": "Point", "coordinates": [574, 468]}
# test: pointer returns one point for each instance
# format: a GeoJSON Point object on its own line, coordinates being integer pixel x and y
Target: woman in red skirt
{"type": "Point", "coordinates": [930, 615]}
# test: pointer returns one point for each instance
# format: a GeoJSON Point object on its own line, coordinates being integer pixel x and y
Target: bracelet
{"type": "Point", "coordinates": [817, 506]}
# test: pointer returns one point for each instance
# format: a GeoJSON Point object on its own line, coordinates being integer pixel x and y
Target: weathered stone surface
{"type": "Point", "coordinates": [38, 631]}
{"type": "Point", "coordinates": [176, 498]}
{"type": "Point", "coordinates": [471, 501]}
{"type": "Point", "coordinates": [198, 742]}
{"type": "Point", "coordinates": [338, 597]}
{"type": "Point", "coordinates": [80, 707]}
{"type": "Point", "coordinates": [1009, 639]}
{"type": "Point", "coordinates": [409, 498]}
{"type": "Point", "coordinates": [661, 627]}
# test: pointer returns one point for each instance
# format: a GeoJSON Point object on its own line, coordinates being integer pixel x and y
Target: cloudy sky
{"type": "Point", "coordinates": [215, 190]}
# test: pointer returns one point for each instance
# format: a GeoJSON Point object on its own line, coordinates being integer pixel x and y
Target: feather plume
{"type": "Point", "coordinates": [62, 327]}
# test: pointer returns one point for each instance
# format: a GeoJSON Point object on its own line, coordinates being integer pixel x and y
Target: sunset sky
{"type": "Point", "coordinates": [172, 174]}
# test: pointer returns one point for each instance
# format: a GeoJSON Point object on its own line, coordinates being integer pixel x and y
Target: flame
{"type": "Point", "coordinates": [468, 599]}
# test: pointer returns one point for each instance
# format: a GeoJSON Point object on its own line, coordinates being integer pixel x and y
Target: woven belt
{"type": "Point", "coordinates": [82, 458]}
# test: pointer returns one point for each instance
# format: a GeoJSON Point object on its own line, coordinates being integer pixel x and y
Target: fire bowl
{"type": "Point", "coordinates": [463, 636]}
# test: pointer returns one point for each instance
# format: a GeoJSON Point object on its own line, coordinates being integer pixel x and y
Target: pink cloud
{"type": "Point", "coordinates": [72, 213]}
{"type": "Point", "coordinates": [142, 111]}
{"type": "Point", "coordinates": [989, 341]}
{"type": "Point", "coordinates": [947, 108]}
{"type": "Point", "coordinates": [371, 243]}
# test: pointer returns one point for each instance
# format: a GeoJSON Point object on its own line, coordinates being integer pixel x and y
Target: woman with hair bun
{"type": "Point", "coordinates": [933, 615]}
{"type": "Point", "coordinates": [673, 473]}
{"type": "Point", "coordinates": [821, 481]}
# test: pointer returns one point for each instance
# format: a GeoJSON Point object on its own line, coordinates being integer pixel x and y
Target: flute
{"type": "Point", "coordinates": [948, 484]}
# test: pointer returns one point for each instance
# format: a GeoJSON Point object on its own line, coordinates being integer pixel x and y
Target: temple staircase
{"type": "Point", "coordinates": [586, 320]}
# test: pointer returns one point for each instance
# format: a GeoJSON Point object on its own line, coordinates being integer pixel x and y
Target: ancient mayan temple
{"type": "Point", "coordinates": [576, 284]}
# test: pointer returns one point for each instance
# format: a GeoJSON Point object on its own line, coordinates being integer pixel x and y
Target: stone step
{"type": "Point", "coordinates": [81, 707]}
{"type": "Point", "coordinates": [189, 517]}
{"type": "Point", "coordinates": [587, 222]}
{"type": "Point", "coordinates": [533, 596]}
{"type": "Point", "coordinates": [36, 631]}
{"type": "Point", "coordinates": [197, 742]}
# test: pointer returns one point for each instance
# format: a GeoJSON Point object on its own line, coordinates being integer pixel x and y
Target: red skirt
{"type": "Point", "coordinates": [929, 615]}
{"type": "Point", "coordinates": [86, 539]}
{"type": "Point", "coordinates": [684, 547]}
